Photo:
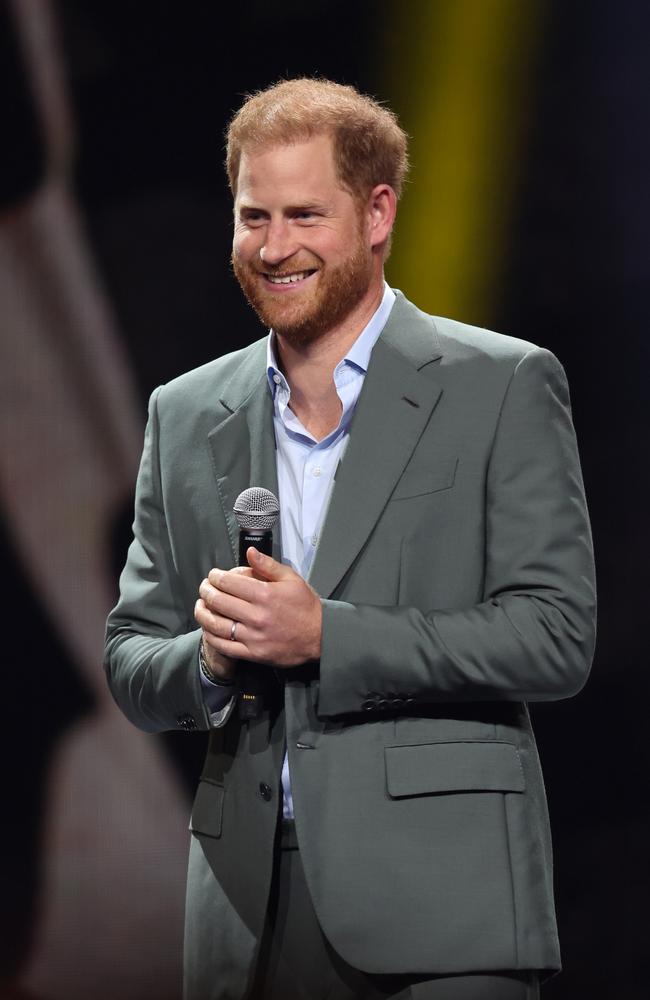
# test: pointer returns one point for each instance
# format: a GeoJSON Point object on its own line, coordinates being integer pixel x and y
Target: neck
{"type": "Point", "coordinates": [320, 356]}
{"type": "Point", "coordinates": [309, 368]}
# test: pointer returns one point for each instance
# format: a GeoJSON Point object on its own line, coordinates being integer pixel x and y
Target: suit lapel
{"type": "Point", "coordinates": [395, 404]}
{"type": "Point", "coordinates": [243, 446]}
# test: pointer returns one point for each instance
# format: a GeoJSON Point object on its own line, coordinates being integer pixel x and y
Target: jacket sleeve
{"type": "Point", "coordinates": [532, 636]}
{"type": "Point", "coordinates": [151, 656]}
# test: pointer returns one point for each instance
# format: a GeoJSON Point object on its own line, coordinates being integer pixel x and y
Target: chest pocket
{"type": "Point", "coordinates": [419, 482]}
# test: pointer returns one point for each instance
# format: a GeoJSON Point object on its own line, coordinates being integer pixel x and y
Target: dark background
{"type": "Point", "coordinates": [151, 87]}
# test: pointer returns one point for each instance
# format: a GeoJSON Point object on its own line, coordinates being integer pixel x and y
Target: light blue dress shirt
{"type": "Point", "coordinates": [305, 469]}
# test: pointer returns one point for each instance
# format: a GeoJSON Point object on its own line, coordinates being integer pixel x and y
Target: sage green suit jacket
{"type": "Point", "coordinates": [455, 567]}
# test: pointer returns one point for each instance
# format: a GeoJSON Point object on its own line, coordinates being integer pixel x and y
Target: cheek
{"type": "Point", "coordinates": [245, 245]}
{"type": "Point", "coordinates": [326, 246]}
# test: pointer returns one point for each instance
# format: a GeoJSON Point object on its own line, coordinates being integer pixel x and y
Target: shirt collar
{"type": "Point", "coordinates": [359, 353]}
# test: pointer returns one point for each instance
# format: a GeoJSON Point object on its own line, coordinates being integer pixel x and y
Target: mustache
{"type": "Point", "coordinates": [283, 269]}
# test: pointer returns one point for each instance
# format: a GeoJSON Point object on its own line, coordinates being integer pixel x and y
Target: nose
{"type": "Point", "coordinates": [279, 243]}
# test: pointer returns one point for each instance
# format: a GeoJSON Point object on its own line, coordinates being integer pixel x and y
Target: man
{"type": "Point", "coordinates": [380, 828]}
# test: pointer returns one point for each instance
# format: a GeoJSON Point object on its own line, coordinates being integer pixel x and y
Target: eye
{"type": "Point", "coordinates": [306, 215]}
{"type": "Point", "coordinates": [252, 218]}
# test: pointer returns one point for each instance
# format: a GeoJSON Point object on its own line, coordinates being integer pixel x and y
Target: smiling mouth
{"type": "Point", "coordinates": [294, 278]}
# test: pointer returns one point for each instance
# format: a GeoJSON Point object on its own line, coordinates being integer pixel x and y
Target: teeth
{"type": "Point", "coordinates": [287, 279]}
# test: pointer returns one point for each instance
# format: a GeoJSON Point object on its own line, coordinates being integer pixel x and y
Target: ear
{"type": "Point", "coordinates": [382, 206]}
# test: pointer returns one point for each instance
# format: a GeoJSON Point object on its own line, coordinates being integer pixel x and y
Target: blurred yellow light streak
{"type": "Point", "coordinates": [462, 76]}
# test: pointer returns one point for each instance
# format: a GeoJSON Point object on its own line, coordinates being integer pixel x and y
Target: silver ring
{"type": "Point", "coordinates": [233, 629]}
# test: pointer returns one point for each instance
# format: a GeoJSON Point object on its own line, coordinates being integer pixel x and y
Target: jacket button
{"type": "Point", "coordinates": [186, 722]}
{"type": "Point", "coordinates": [367, 706]}
{"type": "Point", "coordinates": [266, 791]}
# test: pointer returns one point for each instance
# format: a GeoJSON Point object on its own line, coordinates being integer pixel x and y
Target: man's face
{"type": "Point", "coordinates": [300, 250]}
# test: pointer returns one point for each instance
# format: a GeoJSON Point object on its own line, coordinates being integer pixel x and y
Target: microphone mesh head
{"type": "Point", "coordinates": [256, 509]}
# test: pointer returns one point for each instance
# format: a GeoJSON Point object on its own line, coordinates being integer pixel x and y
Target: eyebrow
{"type": "Point", "coordinates": [313, 206]}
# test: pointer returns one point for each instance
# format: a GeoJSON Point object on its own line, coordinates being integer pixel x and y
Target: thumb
{"type": "Point", "coordinates": [266, 566]}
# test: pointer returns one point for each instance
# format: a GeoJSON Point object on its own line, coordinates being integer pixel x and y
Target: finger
{"type": "Point", "coordinates": [205, 591]}
{"type": "Point", "coordinates": [225, 645]}
{"type": "Point", "coordinates": [266, 566]}
{"type": "Point", "coordinates": [242, 585]}
{"type": "Point", "coordinates": [207, 619]}
{"type": "Point", "coordinates": [236, 650]}
{"type": "Point", "coordinates": [208, 595]}
{"type": "Point", "coordinates": [227, 605]}
{"type": "Point", "coordinates": [215, 625]}
{"type": "Point", "coordinates": [211, 595]}
{"type": "Point", "coordinates": [234, 608]}
{"type": "Point", "coordinates": [246, 570]}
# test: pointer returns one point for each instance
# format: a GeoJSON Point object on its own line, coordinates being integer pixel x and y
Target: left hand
{"type": "Point", "coordinates": [278, 615]}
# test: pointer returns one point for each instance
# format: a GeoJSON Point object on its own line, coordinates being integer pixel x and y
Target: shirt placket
{"type": "Point", "coordinates": [312, 501]}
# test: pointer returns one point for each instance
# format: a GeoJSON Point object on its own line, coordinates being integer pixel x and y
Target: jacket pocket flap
{"type": "Point", "coordinates": [433, 768]}
{"type": "Point", "coordinates": [207, 810]}
{"type": "Point", "coordinates": [418, 482]}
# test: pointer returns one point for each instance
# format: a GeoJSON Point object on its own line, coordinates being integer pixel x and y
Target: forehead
{"type": "Point", "coordinates": [306, 168]}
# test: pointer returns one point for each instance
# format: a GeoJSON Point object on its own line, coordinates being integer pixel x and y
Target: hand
{"type": "Point", "coordinates": [278, 615]}
{"type": "Point", "coordinates": [223, 667]}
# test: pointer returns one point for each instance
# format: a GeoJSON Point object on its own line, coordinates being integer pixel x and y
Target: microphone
{"type": "Point", "coordinates": [256, 511]}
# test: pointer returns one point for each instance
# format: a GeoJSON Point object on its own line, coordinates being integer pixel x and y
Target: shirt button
{"type": "Point", "coordinates": [316, 470]}
{"type": "Point", "coordinates": [277, 379]}
{"type": "Point", "coordinates": [314, 539]}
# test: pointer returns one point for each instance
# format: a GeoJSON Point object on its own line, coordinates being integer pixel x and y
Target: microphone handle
{"type": "Point", "coordinates": [251, 681]}
{"type": "Point", "coordinates": [260, 540]}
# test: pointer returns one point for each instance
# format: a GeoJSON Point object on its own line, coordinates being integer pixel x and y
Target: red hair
{"type": "Point", "coordinates": [369, 145]}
